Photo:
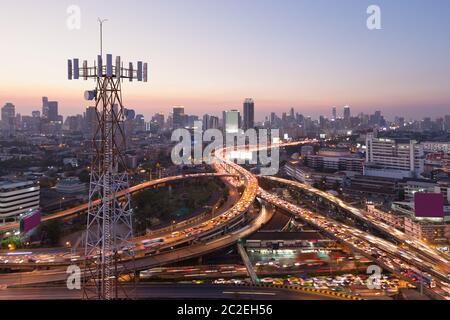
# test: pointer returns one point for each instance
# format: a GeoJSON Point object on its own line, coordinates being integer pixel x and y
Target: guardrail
{"type": "Point", "coordinates": [327, 293]}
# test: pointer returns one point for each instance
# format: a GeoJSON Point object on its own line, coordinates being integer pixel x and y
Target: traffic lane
{"type": "Point", "coordinates": [169, 292]}
{"type": "Point", "coordinates": [35, 277]}
{"type": "Point", "coordinates": [85, 206]}
{"type": "Point", "coordinates": [202, 248]}
{"type": "Point", "coordinates": [39, 277]}
{"type": "Point", "coordinates": [414, 244]}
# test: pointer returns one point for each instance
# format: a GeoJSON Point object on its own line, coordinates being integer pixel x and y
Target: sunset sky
{"type": "Point", "coordinates": [209, 55]}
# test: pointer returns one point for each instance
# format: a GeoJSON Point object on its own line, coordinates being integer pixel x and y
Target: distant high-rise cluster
{"type": "Point", "coordinates": [292, 124]}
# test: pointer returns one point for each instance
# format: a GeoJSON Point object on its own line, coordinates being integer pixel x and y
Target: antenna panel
{"type": "Point", "coordinates": [118, 68]}
{"type": "Point", "coordinates": [85, 70]}
{"type": "Point", "coordinates": [131, 72]}
{"type": "Point", "coordinates": [99, 66]}
{"type": "Point", "coordinates": [69, 69]}
{"type": "Point", "coordinates": [76, 69]}
{"type": "Point", "coordinates": [109, 65]}
{"type": "Point", "coordinates": [145, 72]}
{"type": "Point", "coordinates": [139, 70]}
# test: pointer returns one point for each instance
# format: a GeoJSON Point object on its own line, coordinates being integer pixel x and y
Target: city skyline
{"type": "Point", "coordinates": [312, 57]}
{"type": "Point", "coordinates": [225, 152]}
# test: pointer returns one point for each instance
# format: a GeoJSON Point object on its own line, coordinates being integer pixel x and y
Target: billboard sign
{"type": "Point", "coordinates": [429, 205]}
{"type": "Point", "coordinates": [30, 222]}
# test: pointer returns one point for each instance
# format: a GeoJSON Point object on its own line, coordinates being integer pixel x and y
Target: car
{"type": "Point", "coordinates": [278, 282]}
{"type": "Point", "coordinates": [267, 280]}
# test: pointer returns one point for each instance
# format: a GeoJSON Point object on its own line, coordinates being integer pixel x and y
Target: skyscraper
{"type": "Point", "coordinates": [249, 114]}
{"type": "Point", "coordinates": [178, 117]}
{"type": "Point", "coordinates": [447, 122]}
{"type": "Point", "coordinates": [334, 114]}
{"type": "Point", "coordinates": [206, 119]}
{"type": "Point", "coordinates": [231, 121]}
{"type": "Point", "coordinates": [52, 111]}
{"type": "Point", "coordinates": [347, 113]}
{"type": "Point", "coordinates": [347, 116]}
{"type": "Point", "coordinates": [8, 120]}
{"type": "Point", "coordinates": [292, 114]}
{"type": "Point", "coordinates": [213, 122]}
{"type": "Point", "coordinates": [91, 122]}
{"type": "Point", "coordinates": [45, 107]}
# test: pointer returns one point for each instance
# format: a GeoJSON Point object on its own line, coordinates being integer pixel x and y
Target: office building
{"type": "Point", "coordinates": [231, 121]}
{"type": "Point", "coordinates": [159, 119]}
{"type": "Point", "coordinates": [52, 114]}
{"type": "Point", "coordinates": [45, 107]}
{"type": "Point", "coordinates": [18, 197]}
{"type": "Point", "coordinates": [347, 116]}
{"type": "Point", "coordinates": [178, 118]}
{"type": "Point", "coordinates": [335, 160]}
{"type": "Point", "coordinates": [91, 122]}
{"type": "Point", "coordinates": [393, 158]}
{"type": "Point", "coordinates": [213, 122]}
{"type": "Point", "coordinates": [334, 114]}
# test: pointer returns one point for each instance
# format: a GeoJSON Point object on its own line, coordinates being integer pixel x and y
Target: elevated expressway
{"type": "Point", "coordinates": [84, 207]}
{"type": "Point", "coordinates": [441, 264]}
{"type": "Point", "coordinates": [209, 236]}
{"type": "Point", "coordinates": [387, 255]}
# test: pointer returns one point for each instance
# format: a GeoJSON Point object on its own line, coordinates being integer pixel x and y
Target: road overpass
{"type": "Point", "coordinates": [58, 272]}
{"type": "Point", "coordinates": [149, 184]}
{"type": "Point", "coordinates": [418, 246]}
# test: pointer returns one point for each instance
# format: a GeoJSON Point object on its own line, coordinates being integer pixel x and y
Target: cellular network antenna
{"type": "Point", "coordinates": [109, 247]}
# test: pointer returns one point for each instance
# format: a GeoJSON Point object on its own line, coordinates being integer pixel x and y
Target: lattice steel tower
{"type": "Point", "coordinates": [109, 248]}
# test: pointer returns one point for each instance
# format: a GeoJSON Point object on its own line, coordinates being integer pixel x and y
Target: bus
{"type": "Point", "coordinates": [152, 243]}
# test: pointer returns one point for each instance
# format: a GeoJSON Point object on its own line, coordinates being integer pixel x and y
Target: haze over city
{"type": "Point", "coordinates": [208, 56]}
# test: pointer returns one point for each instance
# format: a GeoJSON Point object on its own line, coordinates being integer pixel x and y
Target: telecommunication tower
{"type": "Point", "coordinates": [109, 246]}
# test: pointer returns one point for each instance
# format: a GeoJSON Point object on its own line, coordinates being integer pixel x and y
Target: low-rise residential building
{"type": "Point", "coordinates": [403, 219]}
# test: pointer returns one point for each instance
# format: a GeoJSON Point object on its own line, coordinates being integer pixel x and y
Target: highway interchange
{"type": "Point", "coordinates": [232, 225]}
